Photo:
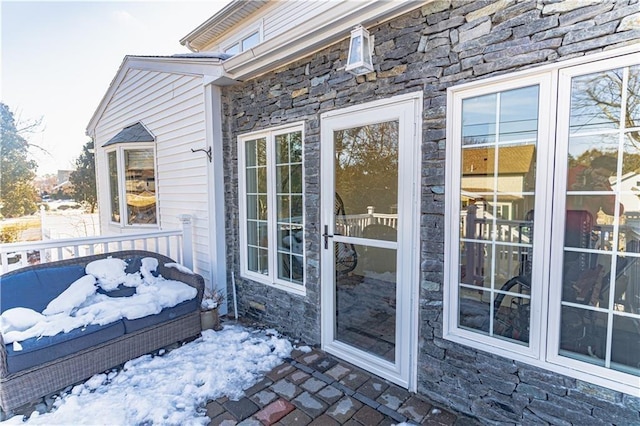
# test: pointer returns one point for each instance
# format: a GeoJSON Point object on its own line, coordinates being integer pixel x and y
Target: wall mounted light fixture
{"type": "Point", "coordinates": [360, 59]}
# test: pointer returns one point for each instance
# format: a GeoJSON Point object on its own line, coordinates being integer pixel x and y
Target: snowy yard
{"type": "Point", "coordinates": [173, 387]}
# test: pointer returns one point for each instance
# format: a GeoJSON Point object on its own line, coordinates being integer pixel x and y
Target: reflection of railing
{"type": "Point", "coordinates": [510, 260]}
{"type": "Point", "coordinates": [354, 224]}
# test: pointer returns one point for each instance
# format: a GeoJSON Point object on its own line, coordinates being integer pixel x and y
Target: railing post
{"type": "Point", "coordinates": [187, 240]}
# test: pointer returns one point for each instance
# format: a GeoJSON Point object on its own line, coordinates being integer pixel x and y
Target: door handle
{"type": "Point", "coordinates": [326, 237]}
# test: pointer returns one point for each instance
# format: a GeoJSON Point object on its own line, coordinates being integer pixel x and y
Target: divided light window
{"type": "Point", "coordinates": [543, 207]}
{"type": "Point", "coordinates": [132, 173]}
{"type": "Point", "coordinates": [272, 207]}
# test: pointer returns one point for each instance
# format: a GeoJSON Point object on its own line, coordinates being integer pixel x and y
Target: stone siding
{"type": "Point", "coordinates": [444, 43]}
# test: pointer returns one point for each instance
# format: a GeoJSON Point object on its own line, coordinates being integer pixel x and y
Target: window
{"type": "Point", "coordinates": [543, 237]}
{"type": "Point", "coordinates": [272, 207]}
{"type": "Point", "coordinates": [244, 43]}
{"type": "Point", "coordinates": [132, 173]}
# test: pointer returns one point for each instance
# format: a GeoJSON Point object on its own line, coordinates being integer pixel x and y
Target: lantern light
{"type": "Point", "coordinates": [360, 59]}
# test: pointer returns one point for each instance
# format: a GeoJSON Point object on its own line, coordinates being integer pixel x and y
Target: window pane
{"type": "Point", "coordinates": [233, 49]}
{"type": "Point", "coordinates": [252, 40]}
{"type": "Point", "coordinates": [497, 211]}
{"type": "Point", "coordinates": [474, 310]}
{"type": "Point", "coordinates": [366, 176]}
{"type": "Point", "coordinates": [595, 101]}
{"type": "Point", "coordinates": [478, 167]}
{"type": "Point", "coordinates": [290, 211]}
{"type": "Point", "coordinates": [626, 345]}
{"type": "Point", "coordinates": [633, 100]}
{"type": "Point", "coordinates": [252, 181]}
{"type": "Point", "coordinates": [519, 114]}
{"type": "Point", "coordinates": [295, 147]}
{"type": "Point", "coordinates": [583, 335]}
{"type": "Point", "coordinates": [113, 186]}
{"type": "Point", "coordinates": [250, 150]}
{"type": "Point", "coordinates": [479, 120]}
{"type": "Point", "coordinates": [140, 184]}
{"type": "Point", "coordinates": [601, 238]}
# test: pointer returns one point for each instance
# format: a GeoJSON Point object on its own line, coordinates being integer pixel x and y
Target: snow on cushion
{"type": "Point", "coordinates": [19, 319]}
{"type": "Point", "coordinates": [109, 272]}
{"type": "Point", "coordinates": [37, 351]}
{"type": "Point", "coordinates": [167, 314]}
{"type": "Point", "coordinates": [72, 297]}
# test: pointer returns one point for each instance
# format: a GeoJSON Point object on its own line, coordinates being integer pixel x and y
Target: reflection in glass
{"type": "Point", "coordinates": [519, 114]}
{"type": "Point", "coordinates": [601, 268]}
{"type": "Point", "coordinates": [497, 207]}
{"type": "Point", "coordinates": [475, 310]}
{"type": "Point", "coordinates": [140, 184]}
{"type": "Point", "coordinates": [583, 334]}
{"type": "Point", "coordinates": [113, 186]}
{"type": "Point", "coordinates": [366, 302]}
{"type": "Point", "coordinates": [366, 178]}
{"type": "Point", "coordinates": [289, 207]}
{"type": "Point", "coordinates": [595, 101]}
{"type": "Point", "coordinates": [479, 120]}
{"type": "Point", "coordinates": [625, 348]}
{"type": "Point", "coordinates": [256, 206]}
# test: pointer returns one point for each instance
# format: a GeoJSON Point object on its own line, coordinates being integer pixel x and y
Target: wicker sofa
{"type": "Point", "coordinates": [115, 343]}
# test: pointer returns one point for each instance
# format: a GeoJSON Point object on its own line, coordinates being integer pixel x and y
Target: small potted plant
{"type": "Point", "coordinates": [209, 317]}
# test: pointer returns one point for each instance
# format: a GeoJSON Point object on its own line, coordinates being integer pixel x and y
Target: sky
{"type": "Point", "coordinates": [58, 58]}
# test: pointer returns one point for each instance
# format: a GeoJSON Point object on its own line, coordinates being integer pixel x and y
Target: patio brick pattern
{"type": "Point", "coordinates": [317, 389]}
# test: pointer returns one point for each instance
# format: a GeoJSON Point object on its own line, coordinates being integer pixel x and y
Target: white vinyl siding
{"type": "Point", "coordinates": [274, 20]}
{"type": "Point", "coordinates": [171, 106]}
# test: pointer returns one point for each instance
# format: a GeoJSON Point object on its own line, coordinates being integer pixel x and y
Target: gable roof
{"type": "Point", "coordinates": [205, 64]}
{"type": "Point", "coordinates": [134, 133]}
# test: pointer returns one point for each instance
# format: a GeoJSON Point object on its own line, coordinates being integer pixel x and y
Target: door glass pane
{"type": "Point", "coordinates": [366, 180]}
{"type": "Point", "coordinates": [366, 299]}
{"type": "Point", "coordinates": [140, 183]}
{"type": "Point", "coordinates": [601, 267]}
{"type": "Point", "coordinates": [497, 201]}
{"type": "Point", "coordinates": [113, 186]}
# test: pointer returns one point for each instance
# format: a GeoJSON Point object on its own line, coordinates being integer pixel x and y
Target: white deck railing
{"type": "Point", "coordinates": [168, 243]}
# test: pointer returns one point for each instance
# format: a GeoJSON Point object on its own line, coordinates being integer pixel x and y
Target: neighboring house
{"type": "Point", "coordinates": [414, 220]}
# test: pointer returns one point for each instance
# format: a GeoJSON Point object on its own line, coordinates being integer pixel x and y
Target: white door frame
{"type": "Point", "coordinates": [407, 109]}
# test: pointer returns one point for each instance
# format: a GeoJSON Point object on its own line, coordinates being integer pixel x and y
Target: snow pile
{"type": "Point", "coordinates": [172, 388]}
{"type": "Point", "coordinates": [81, 304]}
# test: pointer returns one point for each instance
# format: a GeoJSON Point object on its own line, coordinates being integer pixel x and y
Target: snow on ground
{"type": "Point", "coordinates": [172, 388]}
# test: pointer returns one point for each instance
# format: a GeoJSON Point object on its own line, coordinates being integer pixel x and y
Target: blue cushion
{"type": "Point", "coordinates": [166, 314]}
{"type": "Point", "coordinates": [41, 286]}
{"type": "Point", "coordinates": [37, 351]}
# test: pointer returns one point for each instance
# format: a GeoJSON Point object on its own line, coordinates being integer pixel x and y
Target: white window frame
{"type": "Point", "coordinates": [270, 279]}
{"type": "Point", "coordinates": [543, 350]}
{"type": "Point", "coordinates": [119, 149]}
{"type": "Point", "coordinates": [239, 38]}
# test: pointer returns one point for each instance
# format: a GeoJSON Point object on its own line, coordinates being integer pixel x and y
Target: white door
{"type": "Point", "coordinates": [370, 235]}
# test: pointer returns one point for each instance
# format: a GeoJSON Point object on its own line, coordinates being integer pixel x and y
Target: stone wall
{"type": "Point", "coordinates": [444, 43]}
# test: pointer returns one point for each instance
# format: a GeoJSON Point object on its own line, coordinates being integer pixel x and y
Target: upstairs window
{"type": "Point", "coordinates": [244, 43]}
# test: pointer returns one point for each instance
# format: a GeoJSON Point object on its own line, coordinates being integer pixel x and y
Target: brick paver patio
{"type": "Point", "coordinates": [316, 388]}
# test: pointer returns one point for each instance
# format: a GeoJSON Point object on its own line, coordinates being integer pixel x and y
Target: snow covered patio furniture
{"type": "Point", "coordinates": [101, 323]}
